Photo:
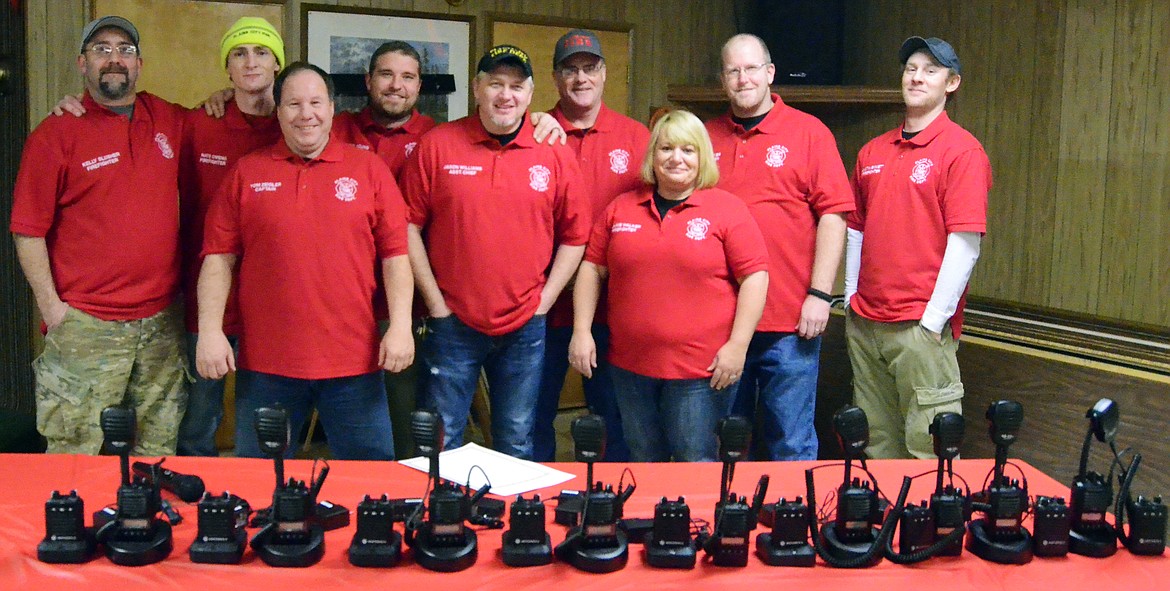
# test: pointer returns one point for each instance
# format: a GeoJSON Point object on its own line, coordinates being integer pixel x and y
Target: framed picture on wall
{"type": "Point", "coordinates": [341, 40]}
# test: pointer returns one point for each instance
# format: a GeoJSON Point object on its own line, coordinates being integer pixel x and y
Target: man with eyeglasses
{"type": "Point", "coordinates": [609, 147]}
{"type": "Point", "coordinates": [784, 164]}
{"type": "Point", "coordinates": [252, 52]}
{"type": "Point", "coordinates": [95, 218]}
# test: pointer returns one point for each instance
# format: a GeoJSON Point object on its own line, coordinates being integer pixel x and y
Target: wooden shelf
{"type": "Point", "coordinates": [867, 95]}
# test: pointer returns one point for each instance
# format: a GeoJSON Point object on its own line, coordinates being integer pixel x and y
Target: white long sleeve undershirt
{"type": "Point", "coordinates": [954, 273]}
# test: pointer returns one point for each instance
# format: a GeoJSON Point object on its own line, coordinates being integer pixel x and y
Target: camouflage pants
{"type": "Point", "coordinates": [89, 364]}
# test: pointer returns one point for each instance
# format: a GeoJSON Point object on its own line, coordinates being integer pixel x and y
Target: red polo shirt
{"type": "Point", "coordinates": [610, 157]}
{"type": "Point", "coordinates": [310, 236]}
{"type": "Point", "coordinates": [910, 195]}
{"type": "Point", "coordinates": [102, 190]}
{"type": "Point", "coordinates": [492, 216]}
{"type": "Point", "coordinates": [393, 145]}
{"type": "Point", "coordinates": [211, 147]}
{"type": "Point", "coordinates": [789, 173]}
{"type": "Point", "coordinates": [673, 282]}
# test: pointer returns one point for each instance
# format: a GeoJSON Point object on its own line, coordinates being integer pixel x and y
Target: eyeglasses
{"type": "Point", "coordinates": [733, 73]}
{"type": "Point", "coordinates": [589, 70]}
{"type": "Point", "coordinates": [104, 51]}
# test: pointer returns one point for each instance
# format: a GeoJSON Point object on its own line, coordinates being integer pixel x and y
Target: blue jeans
{"type": "Point", "coordinates": [204, 407]}
{"type": "Point", "coordinates": [353, 412]}
{"type": "Point", "coordinates": [666, 419]}
{"type": "Point", "coordinates": [780, 377]}
{"type": "Point", "coordinates": [455, 353]}
{"type": "Point", "coordinates": [599, 395]}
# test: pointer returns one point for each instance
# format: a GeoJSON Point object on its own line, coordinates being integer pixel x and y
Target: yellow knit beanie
{"type": "Point", "coordinates": [255, 31]}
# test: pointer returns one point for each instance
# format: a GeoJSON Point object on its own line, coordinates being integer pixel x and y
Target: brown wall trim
{"type": "Point", "coordinates": [1129, 345]}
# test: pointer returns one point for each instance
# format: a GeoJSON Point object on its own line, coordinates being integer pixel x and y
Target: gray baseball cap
{"type": "Point", "coordinates": [574, 42]}
{"type": "Point", "coordinates": [941, 50]}
{"type": "Point", "coordinates": [98, 24]}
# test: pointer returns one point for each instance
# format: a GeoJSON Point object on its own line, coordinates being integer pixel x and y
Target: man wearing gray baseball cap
{"type": "Point", "coordinates": [912, 243]}
{"type": "Point", "coordinates": [95, 217]}
{"type": "Point", "coordinates": [608, 146]}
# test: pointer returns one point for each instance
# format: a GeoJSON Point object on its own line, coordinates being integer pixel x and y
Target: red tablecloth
{"type": "Point", "coordinates": [27, 481]}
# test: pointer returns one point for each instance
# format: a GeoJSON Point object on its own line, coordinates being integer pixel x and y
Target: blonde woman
{"type": "Point", "coordinates": [687, 273]}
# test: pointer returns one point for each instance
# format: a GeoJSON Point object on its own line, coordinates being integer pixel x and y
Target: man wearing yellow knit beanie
{"type": "Point", "coordinates": [252, 52]}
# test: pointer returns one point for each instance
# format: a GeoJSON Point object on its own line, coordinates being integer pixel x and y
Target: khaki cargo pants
{"type": "Point", "coordinates": [902, 378]}
{"type": "Point", "coordinates": [89, 364]}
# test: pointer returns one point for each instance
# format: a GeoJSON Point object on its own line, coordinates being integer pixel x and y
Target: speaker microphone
{"type": "Point", "coordinates": [134, 536]}
{"type": "Point", "coordinates": [187, 487]}
{"type": "Point", "coordinates": [999, 536]}
{"type": "Point", "coordinates": [599, 544]}
{"type": "Point", "coordinates": [442, 542]}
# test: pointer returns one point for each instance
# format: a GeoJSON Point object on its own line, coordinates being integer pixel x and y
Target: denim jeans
{"type": "Point", "coordinates": [204, 407]}
{"type": "Point", "coordinates": [353, 412]}
{"type": "Point", "coordinates": [455, 353]}
{"type": "Point", "coordinates": [665, 419]}
{"type": "Point", "coordinates": [780, 378]}
{"type": "Point", "coordinates": [598, 389]}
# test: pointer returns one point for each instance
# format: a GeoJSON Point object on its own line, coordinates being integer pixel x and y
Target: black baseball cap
{"type": "Point", "coordinates": [98, 24]}
{"type": "Point", "coordinates": [574, 42]}
{"type": "Point", "coordinates": [941, 50]}
{"type": "Point", "coordinates": [505, 54]}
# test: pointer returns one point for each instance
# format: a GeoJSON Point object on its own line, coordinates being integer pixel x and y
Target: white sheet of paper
{"type": "Point", "coordinates": [509, 476]}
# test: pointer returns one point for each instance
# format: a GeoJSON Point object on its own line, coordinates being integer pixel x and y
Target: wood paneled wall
{"type": "Point", "coordinates": [1072, 102]}
{"type": "Point", "coordinates": [673, 42]}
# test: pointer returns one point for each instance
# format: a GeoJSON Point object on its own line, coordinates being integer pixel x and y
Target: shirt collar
{"type": "Point", "coordinates": [695, 199]}
{"type": "Point", "coordinates": [365, 119]}
{"type": "Point", "coordinates": [332, 153]}
{"type": "Point", "coordinates": [925, 136]}
{"type": "Point", "coordinates": [92, 106]}
{"type": "Point", "coordinates": [236, 119]}
{"type": "Point", "coordinates": [605, 119]}
{"type": "Point", "coordinates": [478, 135]}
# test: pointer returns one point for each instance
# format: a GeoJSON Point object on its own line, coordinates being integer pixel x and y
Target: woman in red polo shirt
{"type": "Point", "coordinates": [687, 273]}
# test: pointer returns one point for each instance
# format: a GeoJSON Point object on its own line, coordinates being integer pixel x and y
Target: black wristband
{"type": "Point", "coordinates": [820, 295]}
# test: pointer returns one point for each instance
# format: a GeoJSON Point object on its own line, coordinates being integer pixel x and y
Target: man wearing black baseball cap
{"type": "Point", "coordinates": [912, 243]}
{"type": "Point", "coordinates": [489, 207]}
{"type": "Point", "coordinates": [608, 146]}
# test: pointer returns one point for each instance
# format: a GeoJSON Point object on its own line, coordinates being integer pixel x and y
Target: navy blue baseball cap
{"type": "Point", "coordinates": [941, 50]}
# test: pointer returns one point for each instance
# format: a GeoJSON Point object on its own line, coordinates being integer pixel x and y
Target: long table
{"type": "Point", "coordinates": [28, 480]}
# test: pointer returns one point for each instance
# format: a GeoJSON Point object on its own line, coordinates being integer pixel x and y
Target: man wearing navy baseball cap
{"type": "Point", "coordinates": [912, 243]}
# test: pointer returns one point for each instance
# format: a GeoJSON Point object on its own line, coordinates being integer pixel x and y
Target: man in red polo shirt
{"type": "Point", "coordinates": [609, 147]}
{"type": "Point", "coordinates": [913, 242]}
{"type": "Point", "coordinates": [390, 125]}
{"type": "Point", "coordinates": [252, 52]}
{"type": "Point", "coordinates": [95, 217]}
{"type": "Point", "coordinates": [784, 164]}
{"type": "Point", "coordinates": [488, 208]}
{"type": "Point", "coordinates": [309, 220]}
